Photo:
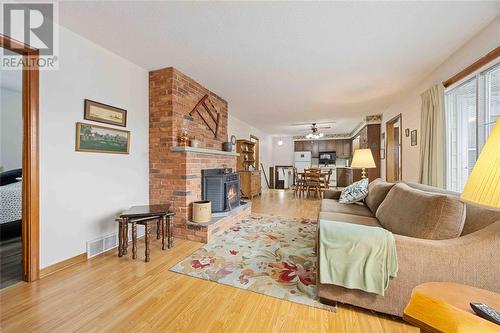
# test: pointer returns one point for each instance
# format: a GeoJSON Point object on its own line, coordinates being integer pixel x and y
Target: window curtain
{"type": "Point", "coordinates": [432, 138]}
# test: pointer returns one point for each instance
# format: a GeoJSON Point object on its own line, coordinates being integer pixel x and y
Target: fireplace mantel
{"type": "Point", "coordinates": [185, 149]}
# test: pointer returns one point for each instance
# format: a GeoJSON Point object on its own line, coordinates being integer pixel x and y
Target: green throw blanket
{"type": "Point", "coordinates": [356, 256]}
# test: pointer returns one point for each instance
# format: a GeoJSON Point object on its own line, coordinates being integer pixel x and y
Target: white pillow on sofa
{"type": "Point", "coordinates": [355, 192]}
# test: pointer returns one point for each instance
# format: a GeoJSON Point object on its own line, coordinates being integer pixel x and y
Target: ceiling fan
{"type": "Point", "coordinates": [315, 134]}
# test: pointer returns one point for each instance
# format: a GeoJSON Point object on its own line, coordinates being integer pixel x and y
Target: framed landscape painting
{"type": "Point", "coordinates": [104, 113]}
{"type": "Point", "coordinates": [100, 139]}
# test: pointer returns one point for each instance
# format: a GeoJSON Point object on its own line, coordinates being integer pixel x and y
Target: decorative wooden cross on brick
{"type": "Point", "coordinates": [212, 112]}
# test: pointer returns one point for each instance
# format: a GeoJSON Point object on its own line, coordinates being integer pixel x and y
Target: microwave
{"type": "Point", "coordinates": [327, 157]}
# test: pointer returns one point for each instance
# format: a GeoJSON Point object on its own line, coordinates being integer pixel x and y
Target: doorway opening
{"type": "Point", "coordinates": [393, 150]}
{"type": "Point", "coordinates": [28, 182]}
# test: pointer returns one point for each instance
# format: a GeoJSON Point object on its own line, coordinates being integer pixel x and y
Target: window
{"type": "Point", "coordinates": [492, 96]}
{"type": "Point", "coordinates": [472, 107]}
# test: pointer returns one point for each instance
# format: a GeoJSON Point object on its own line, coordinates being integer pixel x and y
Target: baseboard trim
{"type": "Point", "coordinates": [44, 272]}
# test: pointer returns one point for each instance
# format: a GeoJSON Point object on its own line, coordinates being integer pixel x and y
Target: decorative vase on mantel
{"type": "Point", "coordinates": [184, 138]}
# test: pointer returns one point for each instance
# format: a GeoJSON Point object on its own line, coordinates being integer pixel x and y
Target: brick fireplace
{"type": "Point", "coordinates": [175, 172]}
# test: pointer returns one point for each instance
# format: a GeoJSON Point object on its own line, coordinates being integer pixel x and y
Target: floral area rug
{"type": "Point", "coordinates": [266, 254]}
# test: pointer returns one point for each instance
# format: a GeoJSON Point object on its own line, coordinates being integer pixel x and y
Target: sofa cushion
{"type": "Point", "coordinates": [414, 213]}
{"type": "Point", "coordinates": [349, 218]}
{"type": "Point", "coordinates": [355, 192]}
{"type": "Point", "coordinates": [333, 206]}
{"type": "Point", "coordinates": [377, 191]}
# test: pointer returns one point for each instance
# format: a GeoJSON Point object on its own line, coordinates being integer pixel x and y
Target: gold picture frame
{"type": "Point", "coordinates": [99, 139]}
{"type": "Point", "coordinates": [104, 113]}
{"type": "Point", "coordinates": [414, 138]}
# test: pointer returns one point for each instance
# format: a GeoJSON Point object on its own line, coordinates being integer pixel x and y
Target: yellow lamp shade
{"type": "Point", "coordinates": [483, 185]}
{"type": "Point", "coordinates": [363, 158]}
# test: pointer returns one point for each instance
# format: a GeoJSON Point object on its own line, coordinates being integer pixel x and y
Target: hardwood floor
{"type": "Point", "coordinates": [111, 294]}
{"type": "Point", "coordinates": [10, 261]}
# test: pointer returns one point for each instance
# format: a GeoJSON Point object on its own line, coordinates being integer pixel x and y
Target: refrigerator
{"type": "Point", "coordinates": [302, 160]}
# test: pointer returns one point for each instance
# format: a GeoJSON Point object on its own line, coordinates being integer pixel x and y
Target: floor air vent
{"type": "Point", "coordinates": [101, 245]}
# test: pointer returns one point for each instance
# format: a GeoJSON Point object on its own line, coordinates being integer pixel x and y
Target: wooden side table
{"type": "Point", "coordinates": [146, 215]}
{"type": "Point", "coordinates": [147, 222]}
{"type": "Point", "coordinates": [444, 307]}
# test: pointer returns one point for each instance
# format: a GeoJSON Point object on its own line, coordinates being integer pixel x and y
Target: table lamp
{"type": "Point", "coordinates": [483, 185]}
{"type": "Point", "coordinates": [363, 158]}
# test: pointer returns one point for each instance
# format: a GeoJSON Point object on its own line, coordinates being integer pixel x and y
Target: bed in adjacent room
{"type": "Point", "coordinates": [11, 203]}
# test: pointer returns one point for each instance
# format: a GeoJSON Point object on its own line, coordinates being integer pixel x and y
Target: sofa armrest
{"type": "Point", "coordinates": [470, 259]}
{"type": "Point", "coordinates": [332, 194]}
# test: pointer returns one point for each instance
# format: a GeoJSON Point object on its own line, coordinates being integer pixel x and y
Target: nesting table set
{"type": "Point", "coordinates": [148, 216]}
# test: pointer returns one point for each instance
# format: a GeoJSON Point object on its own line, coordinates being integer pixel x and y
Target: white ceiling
{"type": "Point", "coordinates": [279, 63]}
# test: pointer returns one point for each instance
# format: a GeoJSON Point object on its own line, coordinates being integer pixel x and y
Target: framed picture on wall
{"type": "Point", "coordinates": [414, 137]}
{"type": "Point", "coordinates": [382, 146]}
{"type": "Point", "coordinates": [100, 139]}
{"type": "Point", "coordinates": [104, 113]}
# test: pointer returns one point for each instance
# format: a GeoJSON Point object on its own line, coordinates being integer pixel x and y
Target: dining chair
{"type": "Point", "coordinates": [312, 179]}
{"type": "Point", "coordinates": [299, 182]}
{"type": "Point", "coordinates": [325, 181]}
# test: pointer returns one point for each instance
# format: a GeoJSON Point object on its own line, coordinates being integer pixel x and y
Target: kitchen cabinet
{"type": "Point", "coordinates": [342, 147]}
{"type": "Point", "coordinates": [315, 149]}
{"type": "Point", "coordinates": [344, 176]}
{"type": "Point", "coordinates": [347, 148]}
{"type": "Point", "coordinates": [323, 145]}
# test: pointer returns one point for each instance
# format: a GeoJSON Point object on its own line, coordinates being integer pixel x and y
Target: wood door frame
{"type": "Point", "coordinates": [392, 121]}
{"type": "Point", "coordinates": [30, 164]}
{"type": "Point", "coordinates": [257, 151]}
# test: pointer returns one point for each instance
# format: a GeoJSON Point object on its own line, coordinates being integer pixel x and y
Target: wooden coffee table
{"type": "Point", "coordinates": [444, 307]}
{"type": "Point", "coordinates": [147, 215]}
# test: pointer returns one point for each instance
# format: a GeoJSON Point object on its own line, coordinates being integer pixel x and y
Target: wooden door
{"type": "Point", "coordinates": [393, 149]}
{"type": "Point", "coordinates": [30, 227]}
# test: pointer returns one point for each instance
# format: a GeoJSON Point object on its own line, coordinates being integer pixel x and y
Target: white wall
{"type": "Point", "coordinates": [242, 130]}
{"type": "Point", "coordinates": [284, 154]}
{"type": "Point", "coordinates": [409, 104]}
{"type": "Point", "coordinates": [80, 193]}
{"type": "Point", "coordinates": [11, 128]}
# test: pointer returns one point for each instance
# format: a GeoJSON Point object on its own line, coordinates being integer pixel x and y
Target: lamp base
{"type": "Point", "coordinates": [363, 173]}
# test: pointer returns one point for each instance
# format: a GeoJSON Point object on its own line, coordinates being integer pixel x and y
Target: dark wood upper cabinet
{"type": "Point", "coordinates": [315, 149]}
{"type": "Point", "coordinates": [342, 147]}
{"type": "Point", "coordinates": [323, 145]}
{"type": "Point", "coordinates": [308, 146]}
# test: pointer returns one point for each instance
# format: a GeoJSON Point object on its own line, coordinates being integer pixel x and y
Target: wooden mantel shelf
{"type": "Point", "coordinates": [185, 149]}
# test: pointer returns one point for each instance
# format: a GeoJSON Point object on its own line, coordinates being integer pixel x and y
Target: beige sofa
{"type": "Point", "coordinates": [472, 258]}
